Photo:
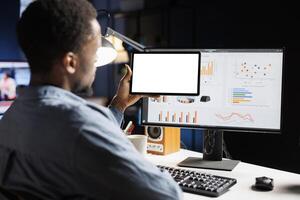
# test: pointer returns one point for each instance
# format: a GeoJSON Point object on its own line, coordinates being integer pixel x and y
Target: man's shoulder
{"type": "Point", "coordinates": [81, 111]}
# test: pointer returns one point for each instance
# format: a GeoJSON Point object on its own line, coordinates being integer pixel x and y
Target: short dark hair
{"type": "Point", "coordinates": [50, 28]}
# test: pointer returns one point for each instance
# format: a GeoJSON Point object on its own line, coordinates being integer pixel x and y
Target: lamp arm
{"type": "Point", "coordinates": [125, 39]}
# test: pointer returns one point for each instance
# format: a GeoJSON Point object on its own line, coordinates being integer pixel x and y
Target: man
{"type": "Point", "coordinates": [54, 144]}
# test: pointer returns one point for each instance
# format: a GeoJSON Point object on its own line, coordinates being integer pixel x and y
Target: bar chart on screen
{"type": "Point", "coordinates": [208, 71]}
{"type": "Point", "coordinates": [241, 95]}
{"type": "Point", "coordinates": [178, 117]}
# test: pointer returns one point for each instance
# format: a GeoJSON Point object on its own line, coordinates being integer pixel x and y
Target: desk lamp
{"type": "Point", "coordinates": [107, 52]}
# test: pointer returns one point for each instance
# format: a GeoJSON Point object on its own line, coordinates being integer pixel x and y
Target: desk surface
{"type": "Point", "coordinates": [286, 184]}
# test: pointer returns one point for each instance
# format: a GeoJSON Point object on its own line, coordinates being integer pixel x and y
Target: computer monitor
{"type": "Point", "coordinates": [12, 74]}
{"type": "Point", "coordinates": [240, 90]}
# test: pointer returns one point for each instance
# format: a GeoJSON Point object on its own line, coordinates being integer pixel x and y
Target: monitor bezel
{"type": "Point", "coordinates": [231, 128]}
{"type": "Point", "coordinates": [14, 61]}
{"type": "Point", "coordinates": [178, 51]}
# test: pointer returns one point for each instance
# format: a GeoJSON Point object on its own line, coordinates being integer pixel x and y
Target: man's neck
{"type": "Point", "coordinates": [49, 79]}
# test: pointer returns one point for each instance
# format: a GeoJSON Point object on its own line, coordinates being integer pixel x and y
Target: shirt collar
{"type": "Point", "coordinates": [45, 91]}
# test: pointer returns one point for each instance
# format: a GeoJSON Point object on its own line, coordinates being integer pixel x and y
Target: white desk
{"type": "Point", "coordinates": [286, 184]}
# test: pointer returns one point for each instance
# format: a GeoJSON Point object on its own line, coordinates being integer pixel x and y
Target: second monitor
{"type": "Point", "coordinates": [240, 90]}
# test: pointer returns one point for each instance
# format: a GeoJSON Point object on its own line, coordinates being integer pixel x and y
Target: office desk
{"type": "Point", "coordinates": [286, 184]}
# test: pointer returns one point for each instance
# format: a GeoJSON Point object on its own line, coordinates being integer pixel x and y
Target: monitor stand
{"type": "Point", "coordinates": [212, 154]}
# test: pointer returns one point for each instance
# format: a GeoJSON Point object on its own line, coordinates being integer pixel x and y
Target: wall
{"type": "Point", "coordinates": [9, 15]}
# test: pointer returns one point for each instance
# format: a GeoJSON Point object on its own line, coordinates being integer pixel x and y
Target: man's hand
{"type": "Point", "coordinates": [123, 99]}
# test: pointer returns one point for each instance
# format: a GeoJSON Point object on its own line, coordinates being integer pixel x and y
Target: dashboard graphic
{"type": "Point", "coordinates": [241, 95]}
{"type": "Point", "coordinates": [254, 71]}
{"type": "Point", "coordinates": [208, 71]}
{"type": "Point", "coordinates": [234, 117]}
{"type": "Point", "coordinates": [178, 117]}
{"type": "Point", "coordinates": [242, 89]}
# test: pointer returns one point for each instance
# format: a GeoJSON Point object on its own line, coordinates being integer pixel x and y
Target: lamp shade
{"type": "Point", "coordinates": [106, 53]}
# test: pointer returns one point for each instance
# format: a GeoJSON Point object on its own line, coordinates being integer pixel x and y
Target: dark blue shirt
{"type": "Point", "coordinates": [56, 145]}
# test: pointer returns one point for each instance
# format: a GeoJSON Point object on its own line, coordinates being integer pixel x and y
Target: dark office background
{"type": "Point", "coordinates": [203, 24]}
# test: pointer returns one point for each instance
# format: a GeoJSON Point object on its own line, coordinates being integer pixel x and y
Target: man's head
{"type": "Point", "coordinates": [60, 39]}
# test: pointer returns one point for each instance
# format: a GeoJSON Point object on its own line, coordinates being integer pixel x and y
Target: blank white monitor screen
{"type": "Point", "coordinates": [166, 73]}
{"type": "Point", "coordinates": [240, 89]}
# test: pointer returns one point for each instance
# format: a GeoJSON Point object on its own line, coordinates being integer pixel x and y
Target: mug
{"type": "Point", "coordinates": [139, 142]}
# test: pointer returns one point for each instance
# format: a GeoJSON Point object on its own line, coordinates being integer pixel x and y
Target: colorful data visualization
{"type": "Point", "coordinates": [238, 89]}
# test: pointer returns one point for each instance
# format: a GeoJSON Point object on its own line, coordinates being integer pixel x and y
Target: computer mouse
{"type": "Point", "coordinates": [264, 183]}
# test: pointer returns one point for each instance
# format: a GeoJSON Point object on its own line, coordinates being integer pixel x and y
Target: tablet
{"type": "Point", "coordinates": [165, 73]}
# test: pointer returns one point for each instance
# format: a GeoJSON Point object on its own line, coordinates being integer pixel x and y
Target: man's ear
{"type": "Point", "coordinates": [70, 62]}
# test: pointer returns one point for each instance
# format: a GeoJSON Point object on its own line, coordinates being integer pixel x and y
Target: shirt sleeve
{"type": "Point", "coordinates": [117, 114]}
{"type": "Point", "coordinates": [110, 112]}
{"type": "Point", "coordinates": [117, 170]}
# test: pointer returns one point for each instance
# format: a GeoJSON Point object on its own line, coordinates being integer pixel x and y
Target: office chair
{"type": "Point", "coordinates": [8, 194]}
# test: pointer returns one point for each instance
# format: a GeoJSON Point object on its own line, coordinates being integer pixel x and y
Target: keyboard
{"type": "Point", "coordinates": [199, 183]}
